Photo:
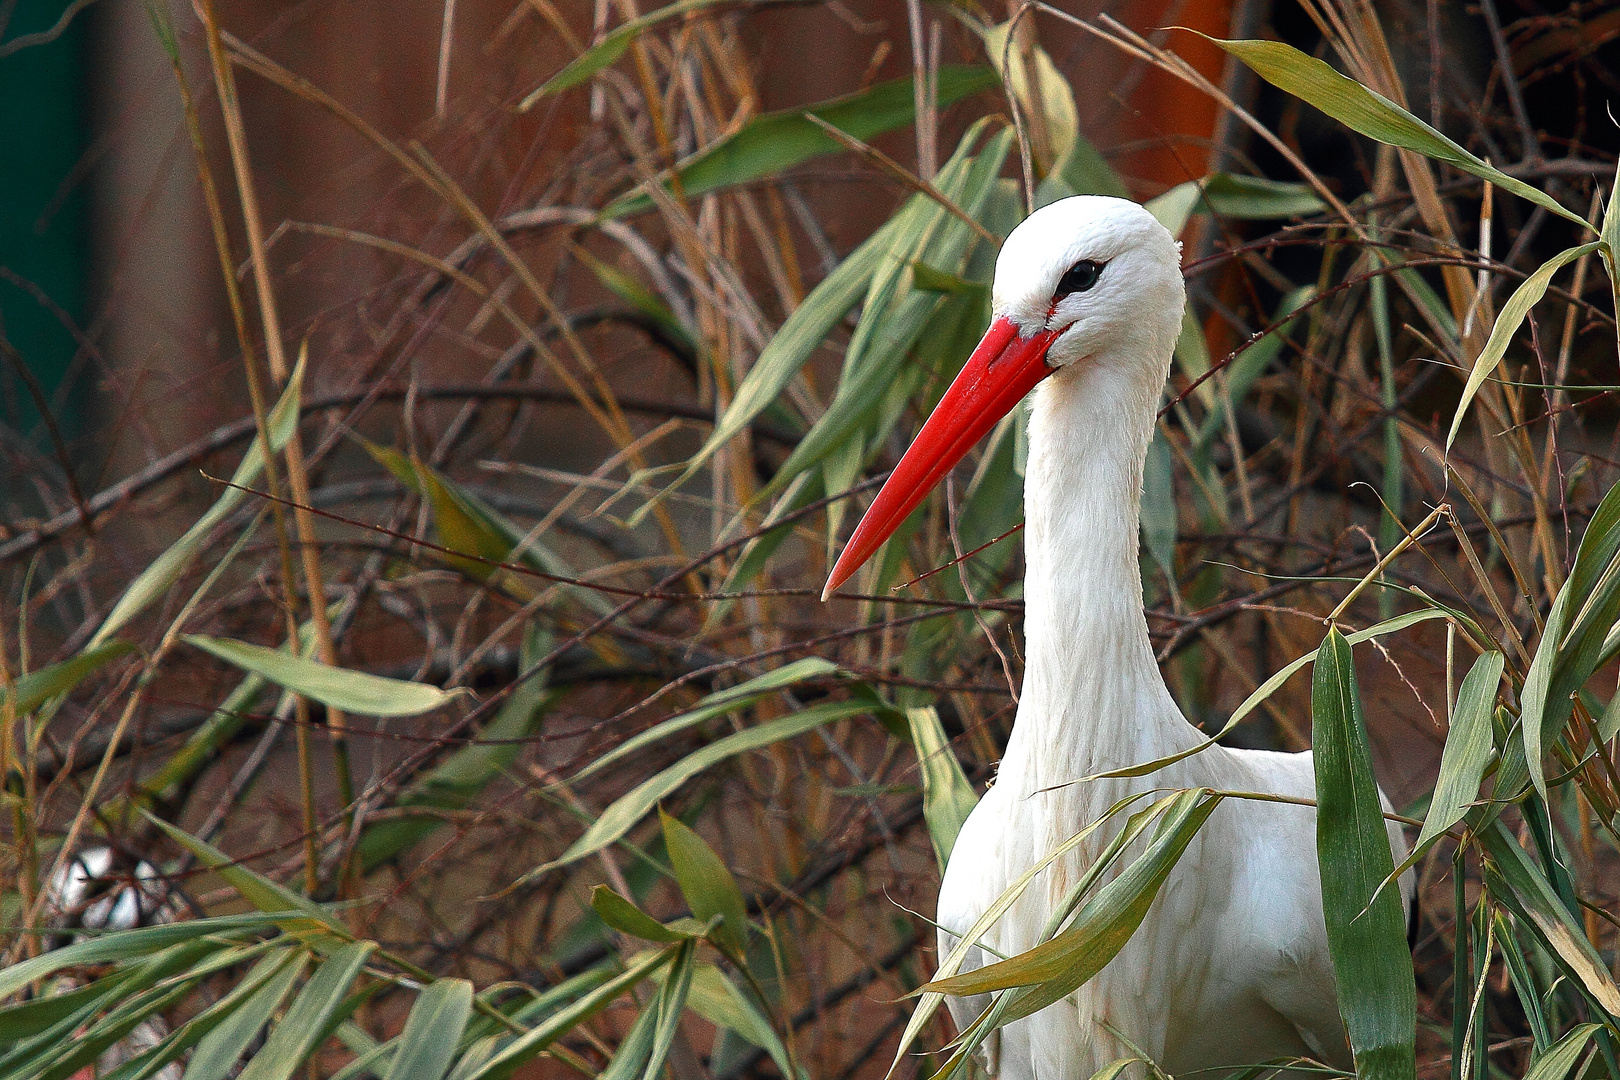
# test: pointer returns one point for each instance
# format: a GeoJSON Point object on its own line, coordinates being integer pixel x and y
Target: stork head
{"type": "Point", "coordinates": [1088, 281]}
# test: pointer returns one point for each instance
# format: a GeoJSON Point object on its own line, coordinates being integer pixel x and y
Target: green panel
{"type": "Point", "coordinates": [44, 235]}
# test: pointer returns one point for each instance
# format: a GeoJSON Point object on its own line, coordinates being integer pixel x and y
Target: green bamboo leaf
{"type": "Point", "coordinates": [671, 1003]}
{"type": "Point", "coordinates": [630, 1059]}
{"type": "Point", "coordinates": [125, 945]}
{"type": "Point", "coordinates": [301, 1030]}
{"type": "Point", "coordinates": [163, 571]}
{"type": "Point", "coordinates": [774, 142]}
{"type": "Point", "coordinates": [162, 982]}
{"type": "Point", "coordinates": [1269, 687]}
{"type": "Point", "coordinates": [718, 1000]}
{"type": "Point", "coordinates": [928, 1002]}
{"type": "Point", "coordinates": [1366, 937]}
{"type": "Point", "coordinates": [1578, 624]}
{"type": "Point", "coordinates": [895, 314]}
{"type": "Point", "coordinates": [1115, 1069]}
{"type": "Point", "coordinates": [465, 523]}
{"type": "Point", "coordinates": [313, 923]}
{"type": "Point", "coordinates": [501, 1063]}
{"type": "Point", "coordinates": [891, 249]}
{"type": "Point", "coordinates": [1608, 725]}
{"type": "Point", "coordinates": [716, 704]}
{"type": "Point", "coordinates": [120, 1003]}
{"type": "Point", "coordinates": [1174, 207]}
{"type": "Point", "coordinates": [630, 808]}
{"type": "Point", "coordinates": [1514, 879]}
{"type": "Point", "coordinates": [427, 1046]}
{"type": "Point", "coordinates": [641, 299]}
{"type": "Point", "coordinates": [1513, 313]}
{"type": "Point", "coordinates": [1610, 233]}
{"type": "Point", "coordinates": [626, 918]}
{"type": "Point", "coordinates": [1257, 198]}
{"type": "Point", "coordinates": [948, 798]}
{"type": "Point", "coordinates": [36, 688]}
{"type": "Point", "coordinates": [706, 883]}
{"type": "Point", "coordinates": [1467, 750]}
{"type": "Point", "coordinates": [33, 1017]}
{"type": "Point", "coordinates": [217, 1054]}
{"type": "Point", "coordinates": [1371, 114]}
{"type": "Point", "coordinates": [1524, 984]}
{"type": "Point", "coordinates": [1058, 967]}
{"type": "Point", "coordinates": [1563, 1054]}
{"type": "Point", "coordinates": [612, 46]}
{"type": "Point", "coordinates": [173, 1047]}
{"type": "Point", "coordinates": [1083, 172]}
{"type": "Point", "coordinates": [1047, 91]}
{"type": "Point", "coordinates": [355, 692]}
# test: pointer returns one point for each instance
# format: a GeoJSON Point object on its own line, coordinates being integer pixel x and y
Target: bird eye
{"type": "Point", "coordinates": [1078, 278]}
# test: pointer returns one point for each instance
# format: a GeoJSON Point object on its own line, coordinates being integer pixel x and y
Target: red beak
{"type": "Point", "coordinates": [1003, 369]}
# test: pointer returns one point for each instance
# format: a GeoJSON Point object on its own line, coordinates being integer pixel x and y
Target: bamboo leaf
{"type": "Point", "coordinates": [1513, 313]}
{"type": "Point", "coordinates": [301, 1030]}
{"type": "Point", "coordinates": [612, 46]}
{"type": "Point", "coordinates": [1562, 1055]}
{"type": "Point", "coordinates": [718, 1000]}
{"type": "Point", "coordinates": [626, 918]}
{"type": "Point", "coordinates": [36, 688]}
{"type": "Point", "coordinates": [706, 883]}
{"type": "Point", "coordinates": [465, 523]}
{"type": "Point", "coordinates": [1174, 207]}
{"type": "Point", "coordinates": [630, 1060]}
{"type": "Point", "coordinates": [1269, 687]}
{"type": "Point", "coordinates": [170, 1049]}
{"type": "Point", "coordinates": [313, 924]}
{"type": "Point", "coordinates": [1371, 114]}
{"type": "Point", "coordinates": [928, 1002]}
{"type": "Point", "coordinates": [125, 945]}
{"type": "Point", "coordinates": [630, 808]}
{"type": "Point", "coordinates": [219, 1051]}
{"type": "Point", "coordinates": [671, 1003]}
{"type": "Point", "coordinates": [503, 1062]}
{"type": "Point", "coordinates": [1467, 750]}
{"type": "Point", "coordinates": [895, 314]}
{"type": "Point", "coordinates": [716, 704]}
{"type": "Point", "coordinates": [355, 692]}
{"type": "Point", "coordinates": [891, 249]}
{"type": "Point", "coordinates": [432, 1035]}
{"type": "Point", "coordinates": [1257, 198]}
{"type": "Point", "coordinates": [948, 798]}
{"type": "Point", "coordinates": [1366, 936]}
{"type": "Point", "coordinates": [775, 142]}
{"type": "Point", "coordinates": [1579, 622]}
{"type": "Point", "coordinates": [163, 571]}
{"type": "Point", "coordinates": [1047, 91]}
{"type": "Point", "coordinates": [1514, 879]}
{"type": "Point", "coordinates": [1103, 925]}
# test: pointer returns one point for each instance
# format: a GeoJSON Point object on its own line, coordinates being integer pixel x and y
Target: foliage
{"type": "Point", "coordinates": [624, 784]}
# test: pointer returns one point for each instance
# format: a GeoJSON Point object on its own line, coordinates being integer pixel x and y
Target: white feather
{"type": "Point", "coordinates": [1231, 965]}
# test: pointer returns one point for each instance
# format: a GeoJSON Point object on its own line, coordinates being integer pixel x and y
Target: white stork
{"type": "Point", "coordinates": [1231, 966]}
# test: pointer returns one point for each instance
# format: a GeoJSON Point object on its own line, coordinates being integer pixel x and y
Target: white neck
{"type": "Point", "coordinates": [1093, 698]}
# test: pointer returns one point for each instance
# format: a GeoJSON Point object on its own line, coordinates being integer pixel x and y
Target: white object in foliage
{"type": "Point", "coordinates": [1231, 965]}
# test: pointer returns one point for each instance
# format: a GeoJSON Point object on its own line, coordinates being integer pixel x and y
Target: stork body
{"type": "Point", "coordinates": [1231, 966]}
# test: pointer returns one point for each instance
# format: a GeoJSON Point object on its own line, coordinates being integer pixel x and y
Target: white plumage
{"type": "Point", "coordinates": [1231, 965]}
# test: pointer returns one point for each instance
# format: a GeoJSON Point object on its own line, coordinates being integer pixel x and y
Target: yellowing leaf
{"type": "Point", "coordinates": [1531, 290]}
{"type": "Point", "coordinates": [1373, 115]}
